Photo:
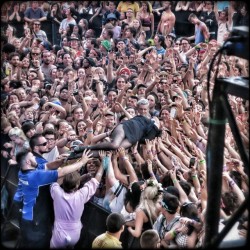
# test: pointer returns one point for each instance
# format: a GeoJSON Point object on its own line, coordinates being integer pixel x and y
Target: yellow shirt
{"type": "Point", "coordinates": [124, 5]}
{"type": "Point", "coordinates": [106, 240]}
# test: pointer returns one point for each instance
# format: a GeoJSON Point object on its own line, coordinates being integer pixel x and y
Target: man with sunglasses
{"type": "Point", "coordinates": [39, 146]}
{"type": "Point", "coordinates": [41, 219]}
{"type": "Point", "coordinates": [33, 195]}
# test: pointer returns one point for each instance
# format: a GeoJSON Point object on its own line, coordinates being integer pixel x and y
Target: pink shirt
{"type": "Point", "coordinates": [68, 209]}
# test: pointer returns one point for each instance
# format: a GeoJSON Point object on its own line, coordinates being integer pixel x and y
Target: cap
{"type": "Point", "coordinates": [141, 86]}
{"type": "Point", "coordinates": [172, 190]}
{"type": "Point", "coordinates": [170, 202]}
{"type": "Point", "coordinates": [46, 45]}
{"type": "Point", "coordinates": [74, 38]}
{"type": "Point", "coordinates": [124, 71]}
{"type": "Point", "coordinates": [111, 16]}
{"type": "Point", "coordinates": [106, 44]}
{"type": "Point", "coordinates": [57, 103]}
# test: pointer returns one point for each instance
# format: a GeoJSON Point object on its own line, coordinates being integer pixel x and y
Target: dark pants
{"type": "Point", "coordinates": [35, 234]}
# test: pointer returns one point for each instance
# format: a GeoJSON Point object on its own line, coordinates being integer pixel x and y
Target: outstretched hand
{"type": "Point", "coordinates": [86, 156]}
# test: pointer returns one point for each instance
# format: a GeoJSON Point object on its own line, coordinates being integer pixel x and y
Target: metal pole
{"type": "Point", "coordinates": [214, 159]}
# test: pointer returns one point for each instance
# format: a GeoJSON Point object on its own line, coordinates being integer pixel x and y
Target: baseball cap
{"type": "Point", "coordinates": [125, 71]}
{"type": "Point", "coordinates": [106, 44]}
{"type": "Point", "coordinates": [111, 16]}
{"type": "Point", "coordinates": [57, 103]}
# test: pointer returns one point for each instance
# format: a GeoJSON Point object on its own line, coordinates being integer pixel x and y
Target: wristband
{"type": "Point", "coordinates": [90, 131]}
{"type": "Point", "coordinates": [151, 174]}
{"type": "Point", "coordinates": [173, 233]}
{"type": "Point", "coordinates": [194, 176]}
{"type": "Point", "coordinates": [202, 161]}
{"type": "Point", "coordinates": [134, 153]}
{"type": "Point", "coordinates": [231, 183]}
{"type": "Point", "coordinates": [124, 158]}
{"type": "Point", "coordinates": [174, 181]}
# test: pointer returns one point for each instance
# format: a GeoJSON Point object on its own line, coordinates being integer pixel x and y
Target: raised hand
{"type": "Point", "coordinates": [121, 152]}
{"type": "Point", "coordinates": [102, 154]}
{"type": "Point", "coordinates": [86, 156]}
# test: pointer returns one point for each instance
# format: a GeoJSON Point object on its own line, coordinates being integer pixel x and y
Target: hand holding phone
{"type": "Point", "coordinates": [191, 162]}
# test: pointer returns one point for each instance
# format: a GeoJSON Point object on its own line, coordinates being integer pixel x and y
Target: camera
{"type": "Point", "coordinates": [75, 92]}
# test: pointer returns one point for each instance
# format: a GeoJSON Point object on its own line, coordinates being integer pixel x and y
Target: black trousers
{"type": "Point", "coordinates": [35, 234]}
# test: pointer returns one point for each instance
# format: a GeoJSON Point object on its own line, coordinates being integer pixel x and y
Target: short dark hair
{"type": "Point", "coordinates": [34, 140]}
{"type": "Point", "coordinates": [132, 30]}
{"type": "Point", "coordinates": [192, 15]}
{"type": "Point", "coordinates": [114, 222]}
{"type": "Point", "coordinates": [149, 238]}
{"type": "Point", "coordinates": [49, 132]}
{"type": "Point", "coordinates": [21, 156]}
{"type": "Point", "coordinates": [8, 48]}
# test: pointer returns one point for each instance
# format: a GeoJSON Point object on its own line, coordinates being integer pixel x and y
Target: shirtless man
{"type": "Point", "coordinates": [167, 21]}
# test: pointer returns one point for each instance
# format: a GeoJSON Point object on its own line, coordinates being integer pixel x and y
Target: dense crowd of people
{"type": "Point", "coordinates": [113, 108]}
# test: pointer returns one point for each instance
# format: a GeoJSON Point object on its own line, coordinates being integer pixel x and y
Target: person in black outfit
{"type": "Point", "coordinates": [128, 132]}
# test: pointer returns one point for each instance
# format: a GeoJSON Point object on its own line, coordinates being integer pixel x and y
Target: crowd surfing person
{"type": "Point", "coordinates": [136, 95]}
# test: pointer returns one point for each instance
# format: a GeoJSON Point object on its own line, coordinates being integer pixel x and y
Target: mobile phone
{"type": "Point", "coordinates": [191, 162]}
{"type": "Point", "coordinates": [173, 112]}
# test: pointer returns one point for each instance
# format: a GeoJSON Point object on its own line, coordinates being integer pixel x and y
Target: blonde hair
{"type": "Point", "coordinates": [148, 200]}
{"type": "Point", "coordinates": [17, 132]}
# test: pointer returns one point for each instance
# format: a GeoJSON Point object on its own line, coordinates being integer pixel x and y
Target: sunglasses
{"type": "Point", "coordinates": [187, 204]}
{"type": "Point", "coordinates": [43, 144]}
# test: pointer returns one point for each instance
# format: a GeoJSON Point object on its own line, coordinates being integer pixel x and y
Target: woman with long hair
{"type": "Point", "coordinates": [146, 16]}
{"type": "Point", "coordinates": [148, 210]}
{"type": "Point", "coordinates": [19, 141]}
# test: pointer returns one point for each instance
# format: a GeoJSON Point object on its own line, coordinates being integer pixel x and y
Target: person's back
{"type": "Point", "coordinates": [110, 239]}
{"type": "Point", "coordinates": [68, 206]}
{"type": "Point", "coordinates": [36, 209]}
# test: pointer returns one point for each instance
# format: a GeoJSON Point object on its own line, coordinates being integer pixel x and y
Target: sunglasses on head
{"type": "Point", "coordinates": [187, 204]}
{"type": "Point", "coordinates": [166, 207]}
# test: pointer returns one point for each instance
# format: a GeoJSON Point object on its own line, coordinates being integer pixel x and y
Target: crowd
{"type": "Point", "coordinates": [114, 109]}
